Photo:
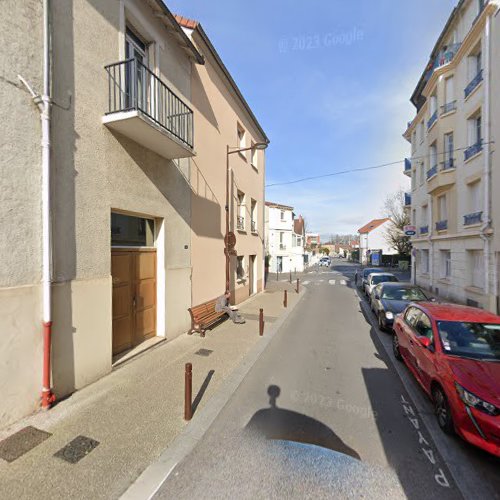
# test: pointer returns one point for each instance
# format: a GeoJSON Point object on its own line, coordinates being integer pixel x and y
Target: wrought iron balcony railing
{"type": "Point", "coordinates": [473, 150]}
{"type": "Point", "coordinates": [432, 119]}
{"type": "Point", "coordinates": [282, 246]}
{"type": "Point", "coordinates": [407, 199]}
{"type": "Point", "coordinates": [407, 165]}
{"type": "Point", "coordinates": [240, 223]}
{"type": "Point", "coordinates": [448, 107]}
{"type": "Point", "coordinates": [133, 86]}
{"type": "Point", "coordinates": [474, 218]}
{"type": "Point", "coordinates": [253, 226]}
{"type": "Point", "coordinates": [448, 164]}
{"type": "Point", "coordinates": [424, 230]}
{"type": "Point", "coordinates": [442, 225]}
{"type": "Point", "coordinates": [432, 172]}
{"type": "Point", "coordinates": [474, 83]}
{"type": "Point", "coordinates": [444, 57]}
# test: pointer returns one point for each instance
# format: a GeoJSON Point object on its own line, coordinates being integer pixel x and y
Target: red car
{"type": "Point", "coordinates": [454, 353]}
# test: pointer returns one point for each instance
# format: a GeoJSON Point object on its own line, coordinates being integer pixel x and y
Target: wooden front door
{"type": "Point", "coordinates": [134, 297]}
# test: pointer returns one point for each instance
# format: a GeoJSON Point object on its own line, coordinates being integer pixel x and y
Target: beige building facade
{"type": "Point", "coordinates": [129, 226]}
{"type": "Point", "coordinates": [453, 165]}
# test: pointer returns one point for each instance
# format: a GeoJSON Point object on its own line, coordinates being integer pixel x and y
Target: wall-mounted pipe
{"type": "Point", "coordinates": [47, 394]}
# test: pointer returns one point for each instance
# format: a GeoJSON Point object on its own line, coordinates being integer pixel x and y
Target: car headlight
{"type": "Point", "coordinates": [389, 315]}
{"type": "Point", "coordinates": [472, 400]}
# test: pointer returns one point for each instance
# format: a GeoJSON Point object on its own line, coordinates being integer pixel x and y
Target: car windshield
{"type": "Point", "coordinates": [408, 294]}
{"type": "Point", "coordinates": [367, 272]}
{"type": "Point", "coordinates": [382, 278]}
{"type": "Point", "coordinates": [476, 340]}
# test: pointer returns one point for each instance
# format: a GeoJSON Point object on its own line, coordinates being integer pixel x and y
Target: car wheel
{"type": "Point", "coordinates": [442, 411]}
{"type": "Point", "coordinates": [395, 347]}
{"type": "Point", "coordinates": [381, 323]}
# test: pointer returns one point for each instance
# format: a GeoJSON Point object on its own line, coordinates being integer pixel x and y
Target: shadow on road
{"type": "Point", "coordinates": [278, 423]}
{"type": "Point", "coordinates": [202, 390]}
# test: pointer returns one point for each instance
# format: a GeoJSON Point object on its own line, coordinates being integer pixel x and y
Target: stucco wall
{"type": "Point", "coordinates": [94, 172]}
{"type": "Point", "coordinates": [217, 114]}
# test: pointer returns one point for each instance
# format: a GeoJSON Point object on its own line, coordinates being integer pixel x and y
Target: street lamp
{"type": "Point", "coordinates": [227, 242]}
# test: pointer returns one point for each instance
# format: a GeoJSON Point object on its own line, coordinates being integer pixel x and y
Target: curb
{"type": "Point", "coordinates": [151, 479]}
{"type": "Point", "coordinates": [459, 470]}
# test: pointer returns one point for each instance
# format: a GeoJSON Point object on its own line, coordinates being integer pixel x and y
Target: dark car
{"type": "Point", "coordinates": [362, 275]}
{"type": "Point", "coordinates": [389, 299]}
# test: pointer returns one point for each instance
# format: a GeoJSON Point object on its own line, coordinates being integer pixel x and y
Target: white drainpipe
{"type": "Point", "coordinates": [47, 395]}
{"type": "Point", "coordinates": [486, 170]}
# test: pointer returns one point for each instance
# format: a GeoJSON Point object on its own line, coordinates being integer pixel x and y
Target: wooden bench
{"type": "Point", "coordinates": [204, 316]}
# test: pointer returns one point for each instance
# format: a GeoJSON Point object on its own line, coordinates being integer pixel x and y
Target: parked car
{"type": "Point", "coordinates": [362, 275]}
{"type": "Point", "coordinates": [454, 353]}
{"type": "Point", "coordinates": [325, 261]}
{"type": "Point", "coordinates": [389, 299]}
{"type": "Point", "coordinates": [375, 279]}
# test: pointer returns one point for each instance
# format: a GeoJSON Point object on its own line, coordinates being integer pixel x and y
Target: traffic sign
{"type": "Point", "coordinates": [410, 230]}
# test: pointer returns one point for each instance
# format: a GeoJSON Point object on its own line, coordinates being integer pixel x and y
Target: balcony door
{"type": "Point", "coordinates": [135, 74]}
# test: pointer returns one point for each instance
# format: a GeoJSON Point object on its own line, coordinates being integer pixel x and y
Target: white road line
{"type": "Point", "coordinates": [306, 282]}
{"type": "Point", "coordinates": [321, 281]}
{"type": "Point", "coordinates": [343, 282]}
{"type": "Point", "coordinates": [332, 282]}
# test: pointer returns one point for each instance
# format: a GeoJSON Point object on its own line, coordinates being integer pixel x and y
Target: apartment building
{"type": "Point", "coordinates": [115, 224]}
{"type": "Point", "coordinates": [452, 164]}
{"type": "Point", "coordinates": [225, 125]}
{"type": "Point", "coordinates": [284, 239]}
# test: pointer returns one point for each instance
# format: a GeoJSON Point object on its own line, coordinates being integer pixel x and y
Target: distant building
{"type": "Point", "coordinates": [372, 240]}
{"type": "Point", "coordinates": [313, 240]}
{"type": "Point", "coordinates": [284, 239]}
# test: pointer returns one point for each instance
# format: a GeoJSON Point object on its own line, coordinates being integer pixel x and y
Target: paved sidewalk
{"type": "Point", "coordinates": [135, 412]}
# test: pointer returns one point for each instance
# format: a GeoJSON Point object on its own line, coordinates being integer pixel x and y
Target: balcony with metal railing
{"type": "Point", "coordinates": [424, 230]}
{"type": "Point", "coordinates": [442, 225]}
{"type": "Point", "coordinates": [282, 247]}
{"type": "Point", "coordinates": [432, 120]}
{"type": "Point", "coordinates": [253, 226]}
{"type": "Point", "coordinates": [473, 150]}
{"type": "Point", "coordinates": [240, 223]}
{"type": "Point", "coordinates": [407, 170]}
{"type": "Point", "coordinates": [474, 218]}
{"type": "Point", "coordinates": [432, 172]}
{"type": "Point", "coordinates": [448, 107]}
{"type": "Point", "coordinates": [143, 108]}
{"type": "Point", "coordinates": [444, 57]}
{"type": "Point", "coordinates": [407, 200]}
{"type": "Point", "coordinates": [473, 84]}
{"type": "Point", "coordinates": [448, 164]}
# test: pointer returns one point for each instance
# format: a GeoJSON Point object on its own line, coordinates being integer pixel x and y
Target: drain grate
{"type": "Point", "coordinates": [21, 442]}
{"type": "Point", "coordinates": [77, 449]}
{"type": "Point", "coordinates": [204, 352]}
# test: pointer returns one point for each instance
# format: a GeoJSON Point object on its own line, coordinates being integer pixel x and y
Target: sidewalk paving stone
{"type": "Point", "coordinates": [134, 413]}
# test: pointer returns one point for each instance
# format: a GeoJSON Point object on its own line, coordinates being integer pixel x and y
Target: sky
{"type": "Point", "coordinates": [330, 83]}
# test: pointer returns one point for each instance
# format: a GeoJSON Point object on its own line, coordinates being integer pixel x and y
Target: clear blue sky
{"type": "Point", "coordinates": [330, 82]}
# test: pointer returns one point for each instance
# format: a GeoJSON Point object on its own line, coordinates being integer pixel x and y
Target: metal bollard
{"type": "Point", "coordinates": [188, 391]}
{"type": "Point", "coordinates": [285, 299]}
{"type": "Point", "coordinates": [298, 285]}
{"type": "Point", "coordinates": [261, 322]}
{"type": "Point", "coordinates": [290, 276]}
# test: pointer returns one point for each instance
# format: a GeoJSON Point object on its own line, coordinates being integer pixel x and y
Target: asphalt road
{"type": "Point", "coordinates": [327, 379]}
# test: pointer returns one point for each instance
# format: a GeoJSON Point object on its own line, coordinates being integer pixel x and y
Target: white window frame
{"type": "Point", "coordinates": [445, 264]}
{"type": "Point", "coordinates": [442, 207]}
{"type": "Point", "coordinates": [424, 261]}
{"type": "Point", "coordinates": [476, 268]}
{"type": "Point", "coordinates": [474, 196]}
{"type": "Point", "coordinates": [240, 276]}
{"type": "Point", "coordinates": [242, 141]}
{"type": "Point", "coordinates": [254, 156]}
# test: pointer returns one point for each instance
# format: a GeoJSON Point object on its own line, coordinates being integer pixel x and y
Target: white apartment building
{"type": "Point", "coordinates": [284, 246]}
{"type": "Point", "coordinates": [452, 165]}
{"type": "Point", "coordinates": [373, 239]}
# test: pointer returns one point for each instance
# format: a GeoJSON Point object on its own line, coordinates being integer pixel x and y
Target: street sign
{"type": "Point", "coordinates": [230, 240]}
{"type": "Point", "coordinates": [410, 230]}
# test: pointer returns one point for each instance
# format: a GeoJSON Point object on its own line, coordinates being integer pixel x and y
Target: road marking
{"type": "Point", "coordinates": [343, 282]}
{"type": "Point", "coordinates": [332, 282]}
{"type": "Point", "coordinates": [306, 282]}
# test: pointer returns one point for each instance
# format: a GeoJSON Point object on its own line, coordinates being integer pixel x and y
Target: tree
{"type": "Point", "coordinates": [394, 208]}
{"type": "Point", "coordinates": [324, 250]}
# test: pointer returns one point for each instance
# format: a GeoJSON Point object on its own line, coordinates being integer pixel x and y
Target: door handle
{"type": "Point", "coordinates": [133, 303]}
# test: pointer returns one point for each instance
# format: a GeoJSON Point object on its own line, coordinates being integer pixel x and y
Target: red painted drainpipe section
{"type": "Point", "coordinates": [48, 396]}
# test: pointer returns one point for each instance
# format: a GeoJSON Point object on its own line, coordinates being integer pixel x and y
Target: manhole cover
{"type": "Point", "coordinates": [77, 449]}
{"type": "Point", "coordinates": [204, 352]}
{"type": "Point", "coordinates": [21, 442]}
